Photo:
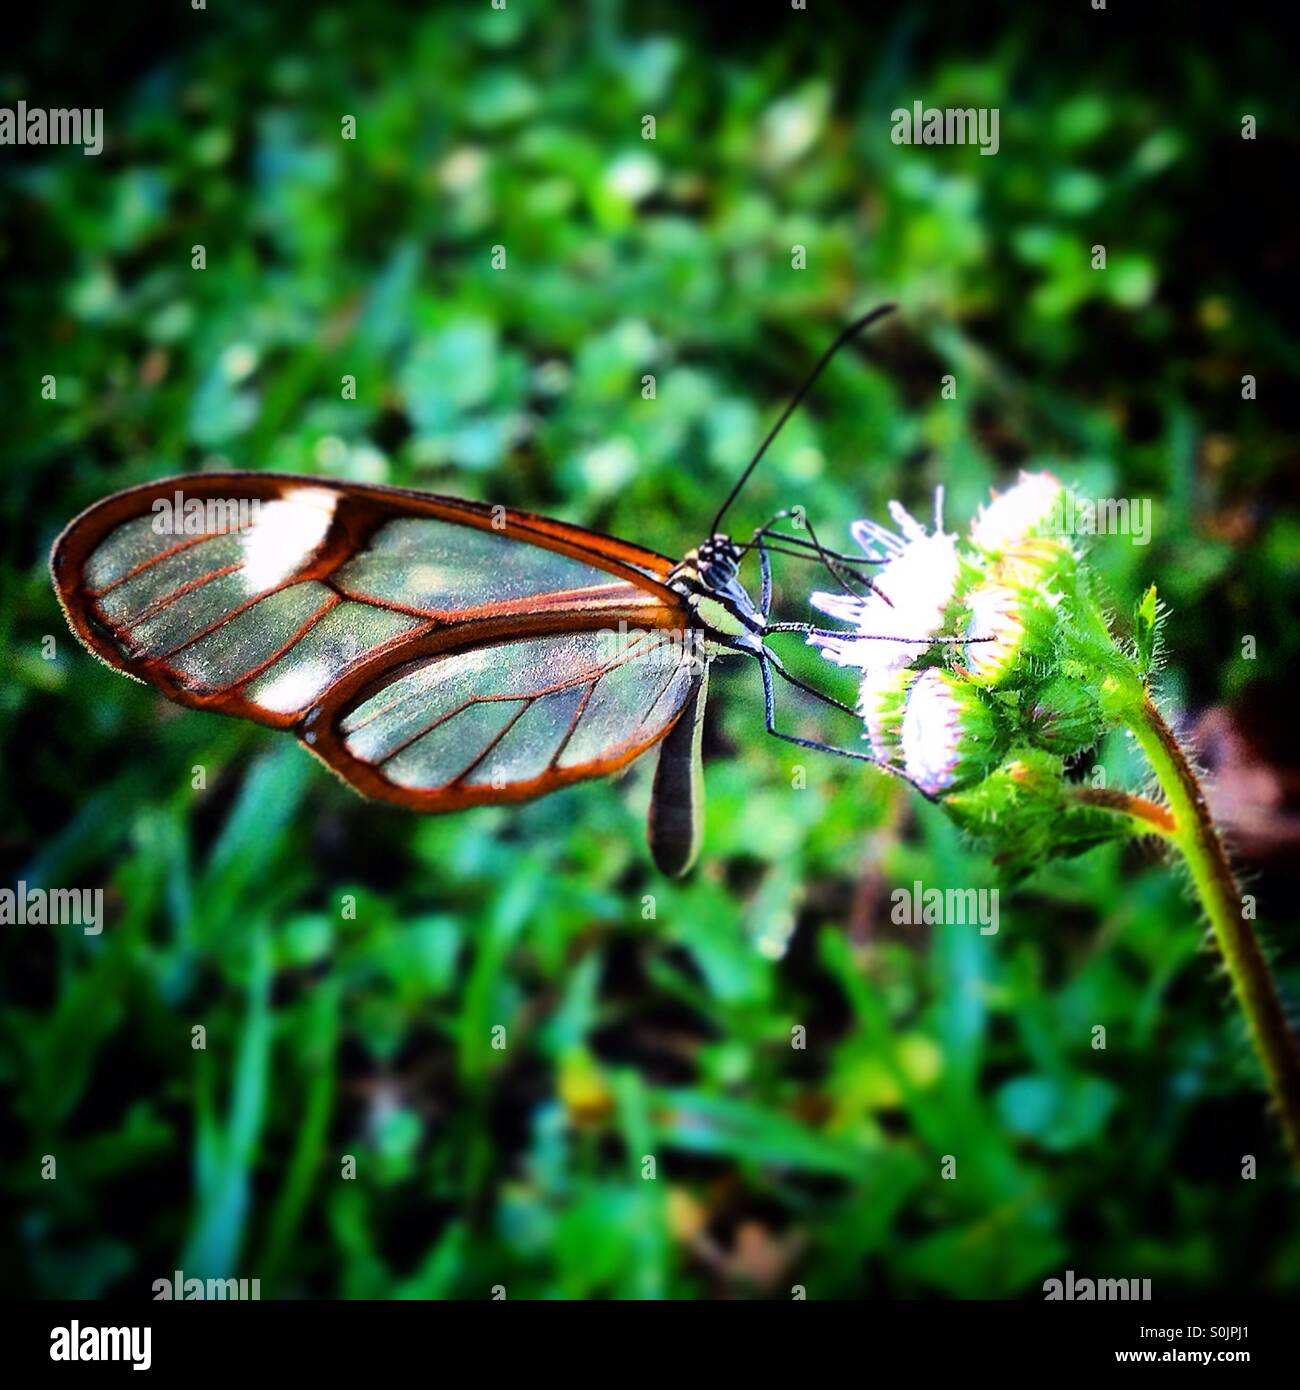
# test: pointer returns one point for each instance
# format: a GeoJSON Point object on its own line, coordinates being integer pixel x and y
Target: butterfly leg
{"type": "Point", "coordinates": [920, 643]}
{"type": "Point", "coordinates": [765, 569]}
{"type": "Point", "coordinates": [766, 662]}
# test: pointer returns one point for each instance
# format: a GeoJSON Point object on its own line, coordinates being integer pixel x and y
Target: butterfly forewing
{"type": "Point", "coordinates": [434, 652]}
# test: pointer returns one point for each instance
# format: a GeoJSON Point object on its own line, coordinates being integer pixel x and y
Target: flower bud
{"type": "Point", "coordinates": [1027, 786]}
{"type": "Point", "coordinates": [1024, 814]}
{"type": "Point", "coordinates": [1037, 562]}
{"type": "Point", "coordinates": [1013, 810]}
{"type": "Point", "coordinates": [1065, 716]}
{"type": "Point", "coordinates": [1011, 632]}
{"type": "Point", "coordinates": [1033, 507]}
{"type": "Point", "coordinates": [952, 732]}
{"type": "Point", "coordinates": [882, 700]}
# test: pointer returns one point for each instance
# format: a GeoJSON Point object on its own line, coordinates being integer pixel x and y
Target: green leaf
{"type": "Point", "coordinates": [1146, 620]}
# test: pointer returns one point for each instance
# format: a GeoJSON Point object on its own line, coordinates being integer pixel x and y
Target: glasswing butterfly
{"type": "Point", "coordinates": [435, 653]}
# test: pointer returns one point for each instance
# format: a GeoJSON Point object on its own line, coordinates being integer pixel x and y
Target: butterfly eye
{"type": "Point", "coordinates": [722, 558]}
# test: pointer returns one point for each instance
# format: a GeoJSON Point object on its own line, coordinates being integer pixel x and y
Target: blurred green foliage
{"type": "Point", "coordinates": [629, 1036]}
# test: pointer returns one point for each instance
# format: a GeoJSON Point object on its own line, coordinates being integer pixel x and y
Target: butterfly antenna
{"type": "Point", "coordinates": [845, 336]}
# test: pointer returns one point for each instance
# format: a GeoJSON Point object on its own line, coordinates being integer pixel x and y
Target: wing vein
{"type": "Point", "coordinates": [574, 721]}
{"type": "Point", "coordinates": [255, 671]}
{"type": "Point", "coordinates": [153, 560]}
{"type": "Point", "coordinates": [162, 658]}
{"type": "Point", "coordinates": [495, 742]}
{"type": "Point", "coordinates": [190, 585]}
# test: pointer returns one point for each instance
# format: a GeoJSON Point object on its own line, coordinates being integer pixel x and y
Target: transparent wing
{"type": "Point", "coordinates": [255, 594]}
{"type": "Point", "coordinates": [506, 721]}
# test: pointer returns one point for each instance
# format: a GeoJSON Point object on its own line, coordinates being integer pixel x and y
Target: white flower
{"type": "Point", "coordinates": [1028, 508]}
{"type": "Point", "coordinates": [931, 732]}
{"type": "Point", "coordinates": [1009, 630]}
{"type": "Point", "coordinates": [913, 589]}
{"type": "Point", "coordinates": [950, 732]}
{"type": "Point", "coordinates": [996, 627]}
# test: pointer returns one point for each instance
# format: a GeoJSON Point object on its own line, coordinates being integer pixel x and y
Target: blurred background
{"type": "Point", "coordinates": [629, 1037]}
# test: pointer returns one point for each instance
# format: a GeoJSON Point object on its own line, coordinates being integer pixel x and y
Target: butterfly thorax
{"type": "Point", "coordinates": [708, 576]}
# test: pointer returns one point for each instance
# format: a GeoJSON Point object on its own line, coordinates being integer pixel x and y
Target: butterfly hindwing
{"type": "Point", "coordinates": [506, 721]}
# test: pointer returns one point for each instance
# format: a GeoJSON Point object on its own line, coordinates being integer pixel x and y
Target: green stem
{"type": "Point", "coordinates": [1145, 816]}
{"type": "Point", "coordinates": [1198, 842]}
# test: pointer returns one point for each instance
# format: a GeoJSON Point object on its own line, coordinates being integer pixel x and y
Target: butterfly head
{"type": "Point", "coordinates": [717, 561]}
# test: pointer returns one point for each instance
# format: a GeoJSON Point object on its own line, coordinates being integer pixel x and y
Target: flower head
{"type": "Point", "coordinates": [911, 593]}
{"type": "Point", "coordinates": [881, 703]}
{"type": "Point", "coordinates": [1012, 629]}
{"type": "Point", "coordinates": [951, 732]}
{"type": "Point", "coordinates": [1030, 508]}
{"type": "Point", "coordinates": [1011, 588]}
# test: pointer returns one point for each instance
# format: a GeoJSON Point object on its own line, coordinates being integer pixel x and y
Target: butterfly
{"type": "Point", "coordinates": [435, 653]}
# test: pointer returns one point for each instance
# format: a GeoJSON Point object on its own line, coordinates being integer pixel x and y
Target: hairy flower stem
{"type": "Point", "coordinates": [1147, 817]}
{"type": "Point", "coordinates": [1198, 842]}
